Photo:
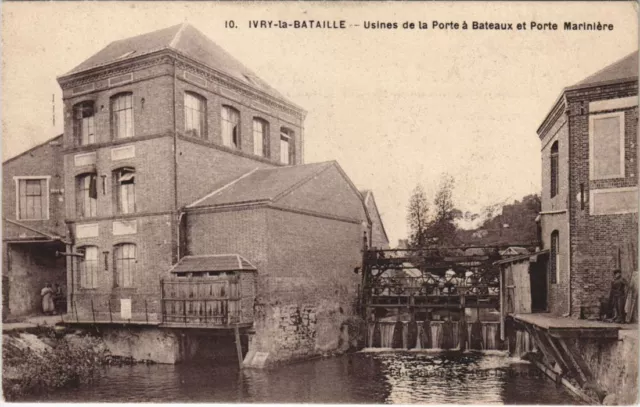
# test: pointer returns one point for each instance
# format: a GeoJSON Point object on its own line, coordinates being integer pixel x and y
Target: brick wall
{"type": "Point", "coordinates": [43, 160]}
{"type": "Point", "coordinates": [595, 240]}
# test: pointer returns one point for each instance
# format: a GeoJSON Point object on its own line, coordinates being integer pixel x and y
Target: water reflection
{"type": "Point", "coordinates": [377, 377]}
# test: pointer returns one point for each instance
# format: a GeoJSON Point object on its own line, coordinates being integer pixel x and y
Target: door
{"type": "Point", "coordinates": [538, 275]}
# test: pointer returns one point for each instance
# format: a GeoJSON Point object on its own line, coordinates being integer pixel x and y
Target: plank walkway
{"type": "Point", "coordinates": [570, 327]}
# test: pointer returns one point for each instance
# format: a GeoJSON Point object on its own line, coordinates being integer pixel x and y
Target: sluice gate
{"type": "Point", "coordinates": [446, 297]}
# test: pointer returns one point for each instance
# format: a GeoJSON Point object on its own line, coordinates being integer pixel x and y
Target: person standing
{"type": "Point", "coordinates": [617, 296]}
{"type": "Point", "coordinates": [47, 299]}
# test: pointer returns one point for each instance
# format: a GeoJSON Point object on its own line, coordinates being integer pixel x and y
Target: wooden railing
{"type": "Point", "coordinates": [203, 301]}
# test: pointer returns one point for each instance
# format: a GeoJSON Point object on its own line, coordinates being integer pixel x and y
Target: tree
{"type": "Point", "coordinates": [442, 228]}
{"type": "Point", "coordinates": [418, 217]}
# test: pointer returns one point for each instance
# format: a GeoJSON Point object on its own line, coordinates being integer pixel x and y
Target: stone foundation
{"type": "Point", "coordinates": [287, 333]}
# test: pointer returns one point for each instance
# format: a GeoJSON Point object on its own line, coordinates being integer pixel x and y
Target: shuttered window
{"type": "Point", "coordinates": [32, 198]}
{"type": "Point", "coordinates": [230, 127]}
{"type": "Point", "coordinates": [86, 195]}
{"type": "Point", "coordinates": [125, 190]}
{"type": "Point", "coordinates": [554, 257]}
{"type": "Point", "coordinates": [195, 113]}
{"type": "Point", "coordinates": [122, 115]}
{"type": "Point", "coordinates": [554, 170]}
{"type": "Point", "coordinates": [125, 264]}
{"type": "Point", "coordinates": [88, 266]}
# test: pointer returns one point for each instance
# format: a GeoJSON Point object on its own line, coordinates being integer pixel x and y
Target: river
{"type": "Point", "coordinates": [365, 377]}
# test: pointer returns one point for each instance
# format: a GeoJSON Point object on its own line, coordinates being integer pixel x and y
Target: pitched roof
{"type": "Point", "coordinates": [184, 39]}
{"type": "Point", "coordinates": [212, 262]}
{"type": "Point", "coordinates": [261, 185]}
{"type": "Point", "coordinates": [623, 69]}
{"type": "Point", "coordinates": [51, 140]}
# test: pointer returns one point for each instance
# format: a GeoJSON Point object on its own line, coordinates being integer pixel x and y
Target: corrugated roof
{"type": "Point", "coordinates": [212, 262]}
{"type": "Point", "coordinates": [262, 185]}
{"type": "Point", "coordinates": [625, 68]}
{"type": "Point", "coordinates": [184, 39]}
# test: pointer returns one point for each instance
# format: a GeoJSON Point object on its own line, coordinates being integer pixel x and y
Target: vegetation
{"type": "Point", "coordinates": [439, 228]}
{"type": "Point", "coordinates": [61, 362]}
{"type": "Point", "coordinates": [436, 225]}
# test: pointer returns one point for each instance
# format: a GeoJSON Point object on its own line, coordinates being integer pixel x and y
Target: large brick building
{"type": "Point", "coordinates": [171, 148]}
{"type": "Point", "coordinates": [589, 217]}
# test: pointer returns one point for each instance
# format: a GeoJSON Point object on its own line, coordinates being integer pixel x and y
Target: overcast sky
{"type": "Point", "coordinates": [394, 107]}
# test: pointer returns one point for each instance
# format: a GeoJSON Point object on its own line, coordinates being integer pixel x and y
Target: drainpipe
{"type": "Point", "coordinates": [175, 161]}
{"type": "Point", "coordinates": [569, 202]}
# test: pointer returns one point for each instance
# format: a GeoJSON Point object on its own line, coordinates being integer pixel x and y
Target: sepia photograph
{"type": "Point", "coordinates": [320, 202]}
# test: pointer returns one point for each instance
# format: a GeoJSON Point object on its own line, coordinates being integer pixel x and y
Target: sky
{"type": "Point", "coordinates": [394, 107]}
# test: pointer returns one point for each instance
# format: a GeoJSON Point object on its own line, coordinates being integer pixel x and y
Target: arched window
{"type": "Point", "coordinates": [124, 190]}
{"type": "Point", "coordinates": [86, 195]}
{"type": "Point", "coordinates": [124, 264]}
{"type": "Point", "coordinates": [83, 124]}
{"type": "Point", "coordinates": [554, 169]}
{"type": "Point", "coordinates": [195, 114]}
{"type": "Point", "coordinates": [260, 137]}
{"type": "Point", "coordinates": [122, 115]}
{"type": "Point", "coordinates": [554, 257]}
{"type": "Point", "coordinates": [88, 267]}
{"type": "Point", "coordinates": [230, 127]}
{"type": "Point", "coordinates": [286, 145]}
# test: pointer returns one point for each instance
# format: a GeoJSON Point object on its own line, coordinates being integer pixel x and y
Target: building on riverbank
{"type": "Point", "coordinates": [171, 147]}
{"type": "Point", "coordinates": [589, 217]}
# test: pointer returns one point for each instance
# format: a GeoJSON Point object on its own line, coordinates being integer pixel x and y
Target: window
{"type": "Point", "coordinates": [32, 198]}
{"type": "Point", "coordinates": [122, 115]}
{"type": "Point", "coordinates": [286, 146]}
{"type": "Point", "coordinates": [195, 113]}
{"type": "Point", "coordinates": [88, 267]}
{"type": "Point", "coordinates": [83, 124]}
{"type": "Point", "coordinates": [260, 137]}
{"type": "Point", "coordinates": [554, 169]}
{"type": "Point", "coordinates": [86, 195]}
{"type": "Point", "coordinates": [554, 257]}
{"type": "Point", "coordinates": [230, 127]}
{"type": "Point", "coordinates": [124, 264]}
{"type": "Point", "coordinates": [606, 146]}
{"type": "Point", "coordinates": [125, 190]}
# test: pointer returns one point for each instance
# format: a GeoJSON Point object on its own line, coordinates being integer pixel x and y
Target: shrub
{"type": "Point", "coordinates": [67, 363]}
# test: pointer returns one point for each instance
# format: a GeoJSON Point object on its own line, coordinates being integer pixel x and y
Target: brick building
{"type": "Point", "coordinates": [171, 147]}
{"type": "Point", "coordinates": [589, 217]}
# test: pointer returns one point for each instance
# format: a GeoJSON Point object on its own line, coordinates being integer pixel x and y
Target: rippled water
{"type": "Point", "coordinates": [365, 377]}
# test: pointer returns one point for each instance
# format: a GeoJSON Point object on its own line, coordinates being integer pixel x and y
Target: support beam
{"type": "Point", "coordinates": [236, 332]}
{"type": "Point", "coordinates": [581, 368]}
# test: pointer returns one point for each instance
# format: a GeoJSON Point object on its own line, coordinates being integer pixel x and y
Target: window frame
{"type": "Point", "coordinates": [592, 152]}
{"type": "Point", "coordinates": [117, 193]}
{"type": "Point", "coordinates": [114, 127]}
{"type": "Point", "coordinates": [117, 271]}
{"type": "Point", "coordinates": [265, 137]}
{"type": "Point", "coordinates": [554, 168]}
{"type": "Point", "coordinates": [554, 257]}
{"type": "Point", "coordinates": [82, 268]}
{"type": "Point", "coordinates": [45, 195]}
{"type": "Point", "coordinates": [201, 113]}
{"type": "Point", "coordinates": [78, 181]}
{"type": "Point", "coordinates": [224, 120]}
{"type": "Point", "coordinates": [288, 135]}
{"type": "Point", "coordinates": [78, 136]}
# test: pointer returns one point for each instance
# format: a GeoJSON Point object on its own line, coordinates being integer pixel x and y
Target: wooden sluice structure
{"type": "Point", "coordinates": [437, 290]}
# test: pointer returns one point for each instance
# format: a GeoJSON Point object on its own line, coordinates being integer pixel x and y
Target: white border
{"type": "Point", "coordinates": [17, 179]}
{"type": "Point", "coordinates": [621, 117]}
{"type": "Point", "coordinates": [610, 191]}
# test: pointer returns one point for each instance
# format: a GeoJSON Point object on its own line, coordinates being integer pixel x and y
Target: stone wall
{"type": "Point", "coordinates": [614, 364]}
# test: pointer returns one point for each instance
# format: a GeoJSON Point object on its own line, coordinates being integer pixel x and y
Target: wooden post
{"type": "Point", "coordinates": [501, 297]}
{"type": "Point", "coordinates": [236, 331]}
{"type": "Point", "coordinates": [110, 316]}
{"type": "Point", "coordinates": [93, 313]}
{"type": "Point", "coordinates": [146, 313]}
{"type": "Point", "coordinates": [462, 329]}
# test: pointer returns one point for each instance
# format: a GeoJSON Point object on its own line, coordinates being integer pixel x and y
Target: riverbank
{"type": "Point", "coordinates": [48, 358]}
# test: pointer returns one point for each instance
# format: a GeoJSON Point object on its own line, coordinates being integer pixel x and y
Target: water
{"type": "Point", "coordinates": [377, 377]}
